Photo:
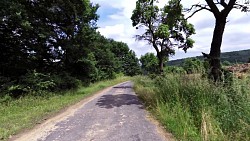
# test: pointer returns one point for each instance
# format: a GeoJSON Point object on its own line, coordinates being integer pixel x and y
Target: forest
{"type": "Point", "coordinates": [54, 45]}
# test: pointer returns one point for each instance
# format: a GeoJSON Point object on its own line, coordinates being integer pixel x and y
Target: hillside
{"type": "Point", "coordinates": [241, 56]}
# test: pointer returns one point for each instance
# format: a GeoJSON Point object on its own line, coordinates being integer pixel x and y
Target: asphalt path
{"type": "Point", "coordinates": [116, 114]}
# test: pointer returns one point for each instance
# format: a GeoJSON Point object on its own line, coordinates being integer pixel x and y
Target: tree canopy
{"type": "Point", "coordinates": [165, 28]}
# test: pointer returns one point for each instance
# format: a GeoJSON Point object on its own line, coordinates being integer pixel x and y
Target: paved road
{"type": "Point", "coordinates": [113, 115]}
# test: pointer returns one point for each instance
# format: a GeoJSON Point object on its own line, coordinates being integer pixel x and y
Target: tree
{"type": "Point", "coordinates": [45, 35]}
{"type": "Point", "coordinates": [220, 10]}
{"type": "Point", "coordinates": [149, 63]}
{"type": "Point", "coordinates": [35, 34]}
{"type": "Point", "coordinates": [126, 60]}
{"type": "Point", "coordinates": [131, 65]}
{"type": "Point", "coordinates": [165, 28]}
{"type": "Point", "coordinates": [54, 44]}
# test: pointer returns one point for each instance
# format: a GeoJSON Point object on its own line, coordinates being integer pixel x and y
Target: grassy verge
{"type": "Point", "coordinates": [25, 112]}
{"type": "Point", "coordinates": [193, 108]}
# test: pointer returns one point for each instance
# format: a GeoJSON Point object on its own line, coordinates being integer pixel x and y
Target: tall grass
{"type": "Point", "coordinates": [193, 108]}
{"type": "Point", "coordinates": [25, 112]}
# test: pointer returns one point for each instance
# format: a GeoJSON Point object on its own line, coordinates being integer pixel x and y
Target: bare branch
{"type": "Point", "coordinates": [201, 7]}
{"type": "Point", "coordinates": [197, 11]}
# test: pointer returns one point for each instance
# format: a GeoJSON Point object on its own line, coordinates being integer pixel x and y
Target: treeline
{"type": "Point", "coordinates": [53, 45]}
{"type": "Point", "coordinates": [233, 57]}
{"type": "Point", "coordinates": [149, 65]}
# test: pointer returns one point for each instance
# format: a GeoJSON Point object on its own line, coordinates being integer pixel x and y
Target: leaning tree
{"type": "Point", "coordinates": [220, 10]}
{"type": "Point", "coordinates": [165, 28]}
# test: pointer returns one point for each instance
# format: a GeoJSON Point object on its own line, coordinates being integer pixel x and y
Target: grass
{"type": "Point", "coordinates": [193, 108]}
{"type": "Point", "coordinates": [25, 112]}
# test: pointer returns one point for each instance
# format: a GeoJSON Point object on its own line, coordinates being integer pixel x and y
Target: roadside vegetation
{"type": "Point", "coordinates": [193, 107]}
{"type": "Point", "coordinates": [51, 56]}
{"type": "Point", "coordinates": [27, 111]}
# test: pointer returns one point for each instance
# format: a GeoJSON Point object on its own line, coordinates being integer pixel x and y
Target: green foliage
{"type": "Point", "coordinates": [64, 81]}
{"type": "Point", "coordinates": [59, 40]}
{"type": "Point", "coordinates": [34, 83]}
{"type": "Point", "coordinates": [131, 66]}
{"type": "Point", "coordinates": [149, 63]}
{"type": "Point", "coordinates": [50, 33]}
{"type": "Point", "coordinates": [193, 65]}
{"type": "Point", "coordinates": [193, 108]}
{"type": "Point", "coordinates": [37, 81]}
{"type": "Point", "coordinates": [163, 31]}
{"type": "Point", "coordinates": [226, 63]}
{"type": "Point", "coordinates": [165, 28]}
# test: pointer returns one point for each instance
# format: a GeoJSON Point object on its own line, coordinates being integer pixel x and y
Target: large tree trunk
{"type": "Point", "coordinates": [215, 51]}
{"type": "Point", "coordinates": [161, 65]}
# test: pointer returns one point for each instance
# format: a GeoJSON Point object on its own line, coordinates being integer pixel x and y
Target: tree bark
{"type": "Point", "coordinates": [161, 65]}
{"type": "Point", "coordinates": [215, 49]}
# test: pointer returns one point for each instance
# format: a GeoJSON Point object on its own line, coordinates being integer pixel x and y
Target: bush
{"type": "Point", "coordinates": [35, 83]}
{"type": "Point", "coordinates": [193, 65]}
{"type": "Point", "coordinates": [64, 81]}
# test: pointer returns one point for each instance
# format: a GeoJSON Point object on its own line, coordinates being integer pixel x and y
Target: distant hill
{"type": "Point", "coordinates": [241, 56]}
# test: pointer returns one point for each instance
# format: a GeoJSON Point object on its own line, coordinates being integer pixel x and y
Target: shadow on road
{"type": "Point", "coordinates": [111, 101]}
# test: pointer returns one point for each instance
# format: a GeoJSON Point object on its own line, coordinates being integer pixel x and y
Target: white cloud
{"type": "Point", "coordinates": [119, 27]}
{"type": "Point", "coordinates": [113, 31]}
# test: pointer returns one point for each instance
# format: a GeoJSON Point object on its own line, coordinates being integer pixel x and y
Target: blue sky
{"type": "Point", "coordinates": [114, 22]}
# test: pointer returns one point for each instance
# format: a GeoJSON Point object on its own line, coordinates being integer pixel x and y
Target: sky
{"type": "Point", "coordinates": [114, 22]}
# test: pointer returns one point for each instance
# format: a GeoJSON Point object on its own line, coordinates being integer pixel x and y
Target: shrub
{"type": "Point", "coordinates": [193, 65]}
{"type": "Point", "coordinates": [64, 81]}
{"type": "Point", "coordinates": [36, 83]}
